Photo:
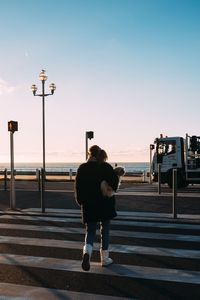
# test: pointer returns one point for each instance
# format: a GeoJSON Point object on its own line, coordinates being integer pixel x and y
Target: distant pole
{"type": "Point", "coordinates": [150, 163]}
{"type": "Point", "coordinates": [174, 193]}
{"type": "Point", "coordinates": [159, 179]}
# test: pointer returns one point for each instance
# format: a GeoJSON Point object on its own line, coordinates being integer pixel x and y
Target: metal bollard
{"type": "Point", "coordinates": [38, 179]}
{"type": "Point", "coordinates": [5, 179]}
{"type": "Point", "coordinates": [174, 208]}
{"type": "Point", "coordinates": [144, 176]}
{"type": "Point", "coordinates": [150, 178]}
{"type": "Point", "coordinates": [159, 179]}
{"type": "Point", "coordinates": [70, 174]}
{"type": "Point", "coordinates": [42, 190]}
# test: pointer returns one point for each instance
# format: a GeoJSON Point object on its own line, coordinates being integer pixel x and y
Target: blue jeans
{"type": "Point", "coordinates": [104, 232]}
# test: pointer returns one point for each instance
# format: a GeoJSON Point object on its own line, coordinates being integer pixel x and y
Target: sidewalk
{"type": "Point", "coordinates": [121, 215]}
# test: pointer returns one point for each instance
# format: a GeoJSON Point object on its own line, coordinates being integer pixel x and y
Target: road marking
{"type": "Point", "coordinates": [117, 248]}
{"type": "Point", "coordinates": [22, 292]}
{"type": "Point", "coordinates": [150, 273]}
{"type": "Point", "coordinates": [118, 233]}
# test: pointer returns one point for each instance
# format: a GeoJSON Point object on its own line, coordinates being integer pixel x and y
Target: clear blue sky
{"type": "Point", "coordinates": [126, 69]}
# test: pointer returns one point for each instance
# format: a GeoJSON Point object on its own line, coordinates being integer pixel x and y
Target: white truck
{"type": "Point", "coordinates": [180, 153]}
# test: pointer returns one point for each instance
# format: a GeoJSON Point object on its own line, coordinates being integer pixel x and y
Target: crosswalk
{"type": "Point", "coordinates": [145, 188]}
{"type": "Point", "coordinates": [40, 258]}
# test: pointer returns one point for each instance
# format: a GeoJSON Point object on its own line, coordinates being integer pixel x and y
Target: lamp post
{"type": "Point", "coordinates": [88, 135]}
{"type": "Point", "coordinates": [43, 77]}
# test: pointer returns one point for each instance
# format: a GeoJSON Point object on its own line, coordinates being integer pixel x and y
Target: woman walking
{"type": "Point", "coordinates": [95, 207]}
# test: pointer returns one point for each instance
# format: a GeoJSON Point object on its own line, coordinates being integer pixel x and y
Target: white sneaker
{"type": "Point", "coordinates": [105, 259]}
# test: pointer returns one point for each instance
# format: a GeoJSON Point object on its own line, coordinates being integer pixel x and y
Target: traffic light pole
{"type": "Point", "coordinates": [88, 135]}
{"type": "Point", "coordinates": [12, 127]}
{"type": "Point", "coordinates": [86, 146]}
{"type": "Point", "coordinates": [12, 176]}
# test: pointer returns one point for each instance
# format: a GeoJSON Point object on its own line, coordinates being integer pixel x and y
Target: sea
{"type": "Point", "coordinates": [133, 167]}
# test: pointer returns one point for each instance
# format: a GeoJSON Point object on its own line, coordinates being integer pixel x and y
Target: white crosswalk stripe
{"type": "Point", "coordinates": [22, 292]}
{"type": "Point", "coordinates": [122, 270]}
{"type": "Point", "coordinates": [40, 257]}
{"type": "Point", "coordinates": [118, 233]}
{"type": "Point", "coordinates": [159, 251]}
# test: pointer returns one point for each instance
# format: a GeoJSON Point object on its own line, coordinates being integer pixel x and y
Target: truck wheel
{"type": "Point", "coordinates": [181, 182]}
{"type": "Point", "coordinates": [170, 179]}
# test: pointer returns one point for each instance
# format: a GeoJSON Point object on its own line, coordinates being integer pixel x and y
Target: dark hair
{"type": "Point", "coordinates": [93, 151]}
{"type": "Point", "coordinates": [102, 156]}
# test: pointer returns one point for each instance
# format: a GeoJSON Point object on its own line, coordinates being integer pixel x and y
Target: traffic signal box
{"type": "Point", "coordinates": [152, 147]}
{"type": "Point", "coordinates": [90, 134]}
{"type": "Point", "coordinates": [193, 143]}
{"type": "Point", "coordinates": [12, 126]}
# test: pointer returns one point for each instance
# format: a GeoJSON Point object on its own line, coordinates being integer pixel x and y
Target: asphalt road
{"type": "Point", "coordinates": [130, 197]}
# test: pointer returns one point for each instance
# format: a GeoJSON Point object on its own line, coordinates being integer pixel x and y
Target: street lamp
{"type": "Point", "coordinates": [43, 77]}
{"type": "Point", "coordinates": [88, 135]}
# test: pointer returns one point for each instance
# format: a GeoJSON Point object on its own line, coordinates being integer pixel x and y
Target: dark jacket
{"type": "Point", "coordinates": [94, 206]}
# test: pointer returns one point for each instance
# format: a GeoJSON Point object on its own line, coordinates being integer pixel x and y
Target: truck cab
{"type": "Point", "coordinates": [169, 153]}
{"type": "Point", "coordinates": [192, 159]}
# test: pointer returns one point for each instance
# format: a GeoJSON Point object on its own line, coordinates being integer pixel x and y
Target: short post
{"type": "Point", "coordinates": [144, 176]}
{"type": "Point", "coordinates": [5, 179]}
{"type": "Point", "coordinates": [42, 192]}
{"type": "Point", "coordinates": [174, 208]}
{"type": "Point", "coordinates": [70, 174]}
{"type": "Point", "coordinates": [38, 179]}
{"type": "Point", "coordinates": [159, 179]}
